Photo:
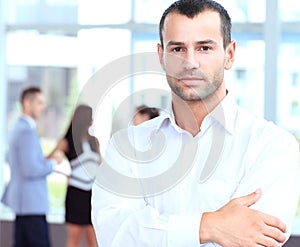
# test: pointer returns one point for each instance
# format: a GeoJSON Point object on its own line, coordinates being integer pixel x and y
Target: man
{"type": "Point", "coordinates": [26, 193]}
{"type": "Point", "coordinates": [238, 186]}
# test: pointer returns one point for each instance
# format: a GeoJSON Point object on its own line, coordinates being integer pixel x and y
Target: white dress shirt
{"type": "Point", "coordinates": [157, 179]}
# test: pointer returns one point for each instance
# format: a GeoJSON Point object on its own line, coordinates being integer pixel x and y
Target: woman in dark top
{"type": "Point", "coordinates": [82, 151]}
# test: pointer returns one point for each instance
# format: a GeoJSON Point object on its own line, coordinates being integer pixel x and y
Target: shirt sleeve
{"type": "Point", "coordinates": [119, 220]}
{"type": "Point", "coordinates": [33, 163]}
{"type": "Point", "coordinates": [274, 167]}
{"type": "Point", "coordinates": [184, 230]}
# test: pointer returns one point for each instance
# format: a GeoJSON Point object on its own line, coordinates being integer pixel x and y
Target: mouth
{"type": "Point", "coordinates": [191, 81]}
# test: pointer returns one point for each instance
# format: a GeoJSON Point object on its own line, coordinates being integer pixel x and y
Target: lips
{"type": "Point", "coordinates": [191, 81]}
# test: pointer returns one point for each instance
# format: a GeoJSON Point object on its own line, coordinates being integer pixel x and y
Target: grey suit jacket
{"type": "Point", "coordinates": [26, 192]}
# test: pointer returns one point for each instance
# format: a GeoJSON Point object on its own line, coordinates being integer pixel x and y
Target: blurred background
{"type": "Point", "coordinates": [59, 45]}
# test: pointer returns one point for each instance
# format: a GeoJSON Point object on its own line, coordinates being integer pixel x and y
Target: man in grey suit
{"type": "Point", "coordinates": [26, 193]}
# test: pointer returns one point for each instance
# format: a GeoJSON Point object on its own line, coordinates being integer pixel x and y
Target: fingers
{"type": "Point", "coordinates": [275, 222]}
{"type": "Point", "coordinates": [275, 228]}
{"type": "Point", "coordinates": [275, 234]}
{"type": "Point", "coordinates": [271, 229]}
{"type": "Point", "coordinates": [271, 236]}
{"type": "Point", "coordinates": [249, 199]}
{"type": "Point", "coordinates": [58, 156]}
{"type": "Point", "coordinates": [271, 241]}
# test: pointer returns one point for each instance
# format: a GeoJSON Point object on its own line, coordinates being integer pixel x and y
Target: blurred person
{"type": "Point", "coordinates": [233, 176]}
{"type": "Point", "coordinates": [83, 152]}
{"type": "Point", "coordinates": [143, 113]}
{"type": "Point", "coordinates": [26, 193]}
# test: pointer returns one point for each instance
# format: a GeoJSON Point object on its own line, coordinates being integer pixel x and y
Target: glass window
{"type": "Point", "coordinates": [32, 48]}
{"type": "Point", "coordinates": [147, 11]}
{"type": "Point", "coordinates": [150, 11]}
{"type": "Point", "coordinates": [289, 10]}
{"type": "Point", "coordinates": [237, 10]}
{"type": "Point", "coordinates": [246, 78]}
{"type": "Point", "coordinates": [39, 12]}
{"type": "Point", "coordinates": [289, 87]}
{"type": "Point", "coordinates": [62, 2]}
{"type": "Point", "coordinates": [100, 46]}
{"type": "Point", "coordinates": [245, 10]}
{"type": "Point", "coordinates": [25, 2]}
{"type": "Point", "coordinates": [103, 12]}
{"type": "Point", "coordinates": [48, 61]}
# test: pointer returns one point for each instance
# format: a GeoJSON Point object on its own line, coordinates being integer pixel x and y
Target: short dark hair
{"type": "Point", "coordinates": [29, 93]}
{"type": "Point", "coordinates": [152, 112]}
{"type": "Point", "coordinates": [191, 8]}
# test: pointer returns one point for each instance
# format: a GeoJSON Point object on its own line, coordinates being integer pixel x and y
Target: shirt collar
{"type": "Point", "coordinates": [29, 120]}
{"type": "Point", "coordinates": [224, 113]}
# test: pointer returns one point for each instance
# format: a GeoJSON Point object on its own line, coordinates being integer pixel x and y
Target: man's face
{"type": "Point", "coordinates": [193, 56]}
{"type": "Point", "coordinates": [35, 106]}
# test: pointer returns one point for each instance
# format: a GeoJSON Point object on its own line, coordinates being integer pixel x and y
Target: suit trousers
{"type": "Point", "coordinates": [31, 231]}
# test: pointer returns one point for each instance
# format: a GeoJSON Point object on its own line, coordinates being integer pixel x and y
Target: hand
{"type": "Point", "coordinates": [58, 156]}
{"type": "Point", "coordinates": [237, 225]}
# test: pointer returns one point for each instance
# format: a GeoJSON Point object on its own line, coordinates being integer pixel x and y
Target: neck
{"type": "Point", "coordinates": [189, 115]}
{"type": "Point", "coordinates": [28, 113]}
{"type": "Point", "coordinates": [28, 116]}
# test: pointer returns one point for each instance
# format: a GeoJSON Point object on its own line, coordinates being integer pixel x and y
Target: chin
{"type": "Point", "coordinates": [193, 96]}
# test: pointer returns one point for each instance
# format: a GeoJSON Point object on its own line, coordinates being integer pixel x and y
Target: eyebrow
{"type": "Point", "coordinates": [201, 42]}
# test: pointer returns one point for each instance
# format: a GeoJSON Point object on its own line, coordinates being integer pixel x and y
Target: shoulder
{"type": "Point", "coordinates": [21, 128]}
{"type": "Point", "coordinates": [93, 140]}
{"type": "Point", "coordinates": [94, 143]}
{"type": "Point", "coordinates": [22, 124]}
{"type": "Point", "coordinates": [263, 132]}
{"type": "Point", "coordinates": [279, 136]}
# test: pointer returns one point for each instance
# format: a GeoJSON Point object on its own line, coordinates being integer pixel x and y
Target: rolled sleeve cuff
{"type": "Point", "coordinates": [184, 230]}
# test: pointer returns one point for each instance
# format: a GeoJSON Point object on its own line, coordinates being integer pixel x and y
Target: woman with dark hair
{"type": "Point", "coordinates": [83, 152]}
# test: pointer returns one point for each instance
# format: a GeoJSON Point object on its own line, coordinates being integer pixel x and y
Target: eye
{"type": "Point", "coordinates": [204, 48]}
{"type": "Point", "coordinates": [177, 49]}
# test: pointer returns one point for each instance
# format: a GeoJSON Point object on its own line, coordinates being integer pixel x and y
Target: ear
{"type": "Point", "coordinates": [26, 103]}
{"type": "Point", "coordinates": [160, 52]}
{"type": "Point", "coordinates": [230, 54]}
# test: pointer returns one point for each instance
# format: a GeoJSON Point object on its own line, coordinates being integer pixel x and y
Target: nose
{"type": "Point", "coordinates": [190, 61]}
